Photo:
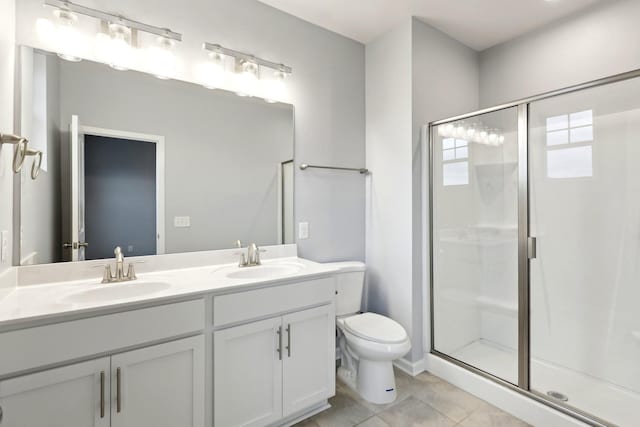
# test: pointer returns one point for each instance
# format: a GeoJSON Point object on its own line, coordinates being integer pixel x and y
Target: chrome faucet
{"type": "Point", "coordinates": [252, 257]}
{"type": "Point", "coordinates": [108, 277]}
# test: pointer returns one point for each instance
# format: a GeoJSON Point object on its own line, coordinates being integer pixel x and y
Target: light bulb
{"type": "Point", "coordinates": [276, 87]}
{"type": "Point", "coordinates": [460, 130]}
{"type": "Point", "coordinates": [162, 59]}
{"type": "Point", "coordinates": [501, 139]}
{"type": "Point", "coordinates": [212, 71]}
{"type": "Point", "coordinates": [471, 130]}
{"type": "Point", "coordinates": [68, 38]}
{"type": "Point", "coordinates": [448, 129]}
{"type": "Point", "coordinates": [441, 131]}
{"type": "Point", "coordinates": [493, 137]}
{"type": "Point", "coordinates": [247, 80]}
{"type": "Point", "coordinates": [115, 48]}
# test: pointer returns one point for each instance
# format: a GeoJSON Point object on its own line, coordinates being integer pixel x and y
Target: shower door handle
{"type": "Point", "coordinates": [532, 248]}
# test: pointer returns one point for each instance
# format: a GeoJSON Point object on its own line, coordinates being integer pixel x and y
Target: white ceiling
{"type": "Point", "coordinates": [479, 24]}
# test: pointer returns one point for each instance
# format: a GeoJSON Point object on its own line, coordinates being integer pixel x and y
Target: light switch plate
{"type": "Point", "coordinates": [181, 221]}
{"type": "Point", "coordinates": [4, 246]}
{"type": "Point", "coordinates": [303, 230]}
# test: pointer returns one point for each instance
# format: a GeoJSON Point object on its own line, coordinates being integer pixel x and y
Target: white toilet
{"type": "Point", "coordinates": [369, 342]}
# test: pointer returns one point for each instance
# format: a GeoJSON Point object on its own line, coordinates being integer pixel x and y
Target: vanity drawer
{"type": "Point", "coordinates": [260, 303]}
{"type": "Point", "coordinates": [60, 342]}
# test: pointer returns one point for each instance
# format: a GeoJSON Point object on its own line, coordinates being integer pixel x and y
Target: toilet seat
{"type": "Point", "coordinates": [376, 328]}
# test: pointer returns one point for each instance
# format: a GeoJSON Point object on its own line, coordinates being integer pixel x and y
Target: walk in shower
{"type": "Point", "coordinates": [535, 247]}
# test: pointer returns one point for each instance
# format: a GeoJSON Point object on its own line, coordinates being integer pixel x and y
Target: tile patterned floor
{"type": "Point", "coordinates": [425, 400]}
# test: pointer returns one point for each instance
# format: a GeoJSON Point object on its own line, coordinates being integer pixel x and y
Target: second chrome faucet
{"type": "Point", "coordinates": [109, 277]}
{"type": "Point", "coordinates": [251, 258]}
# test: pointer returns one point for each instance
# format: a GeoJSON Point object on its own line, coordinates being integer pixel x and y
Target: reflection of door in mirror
{"type": "Point", "coordinates": [115, 195]}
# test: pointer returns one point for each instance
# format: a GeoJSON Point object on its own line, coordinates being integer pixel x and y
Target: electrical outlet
{"type": "Point", "coordinates": [303, 230]}
{"type": "Point", "coordinates": [181, 221]}
{"type": "Point", "coordinates": [4, 246]}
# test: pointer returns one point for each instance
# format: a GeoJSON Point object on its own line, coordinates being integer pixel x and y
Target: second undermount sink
{"type": "Point", "coordinates": [265, 271]}
{"type": "Point", "coordinates": [117, 291]}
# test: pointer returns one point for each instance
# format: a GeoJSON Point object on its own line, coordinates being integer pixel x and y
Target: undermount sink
{"type": "Point", "coordinates": [265, 271]}
{"type": "Point", "coordinates": [117, 291]}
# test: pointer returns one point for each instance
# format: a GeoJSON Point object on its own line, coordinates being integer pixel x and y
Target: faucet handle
{"type": "Point", "coordinates": [131, 273]}
{"type": "Point", "coordinates": [118, 253]}
{"type": "Point", "coordinates": [107, 277]}
{"type": "Point", "coordinates": [239, 244]}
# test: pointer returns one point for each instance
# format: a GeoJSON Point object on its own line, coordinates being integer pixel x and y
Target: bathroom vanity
{"type": "Point", "coordinates": [206, 345]}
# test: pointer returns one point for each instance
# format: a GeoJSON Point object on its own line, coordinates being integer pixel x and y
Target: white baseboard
{"type": "Point", "coordinates": [519, 405]}
{"type": "Point", "coordinates": [411, 368]}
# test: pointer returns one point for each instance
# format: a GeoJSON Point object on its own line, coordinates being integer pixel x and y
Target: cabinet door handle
{"type": "Point", "coordinates": [279, 350]}
{"type": "Point", "coordinates": [289, 340]}
{"type": "Point", "coordinates": [102, 394]}
{"type": "Point", "coordinates": [118, 391]}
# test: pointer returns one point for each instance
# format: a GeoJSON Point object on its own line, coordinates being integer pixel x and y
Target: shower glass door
{"type": "Point", "coordinates": [475, 241]}
{"type": "Point", "coordinates": [584, 160]}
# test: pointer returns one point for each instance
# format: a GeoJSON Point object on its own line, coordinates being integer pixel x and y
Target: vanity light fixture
{"type": "Point", "coordinates": [116, 44]}
{"type": "Point", "coordinates": [67, 36]}
{"type": "Point", "coordinates": [213, 71]}
{"type": "Point", "coordinates": [161, 58]}
{"type": "Point", "coordinates": [247, 78]}
{"type": "Point", "coordinates": [248, 73]}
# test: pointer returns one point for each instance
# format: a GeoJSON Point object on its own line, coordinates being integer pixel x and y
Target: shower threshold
{"type": "Point", "coordinates": [603, 399]}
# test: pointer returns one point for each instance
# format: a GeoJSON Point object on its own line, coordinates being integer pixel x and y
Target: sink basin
{"type": "Point", "coordinates": [265, 271]}
{"type": "Point", "coordinates": [117, 291]}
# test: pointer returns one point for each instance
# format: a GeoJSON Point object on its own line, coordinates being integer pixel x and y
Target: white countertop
{"type": "Point", "coordinates": [53, 302]}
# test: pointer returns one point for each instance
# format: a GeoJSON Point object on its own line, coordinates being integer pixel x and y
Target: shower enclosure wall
{"type": "Point", "coordinates": [535, 247]}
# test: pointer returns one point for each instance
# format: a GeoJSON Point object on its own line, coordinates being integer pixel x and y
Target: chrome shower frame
{"type": "Point", "coordinates": [526, 246]}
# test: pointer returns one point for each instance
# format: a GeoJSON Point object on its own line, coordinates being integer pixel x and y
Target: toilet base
{"type": "Point", "coordinates": [376, 381]}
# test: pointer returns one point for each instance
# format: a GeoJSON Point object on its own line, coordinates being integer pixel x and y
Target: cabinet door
{"type": "Point", "coordinates": [71, 396]}
{"type": "Point", "coordinates": [247, 374]}
{"type": "Point", "coordinates": [309, 358]}
{"type": "Point", "coordinates": [159, 386]}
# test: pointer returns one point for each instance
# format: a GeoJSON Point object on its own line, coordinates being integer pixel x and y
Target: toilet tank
{"type": "Point", "coordinates": [349, 286]}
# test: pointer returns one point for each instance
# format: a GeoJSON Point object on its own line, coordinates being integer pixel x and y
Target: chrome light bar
{"type": "Point", "coordinates": [216, 48]}
{"type": "Point", "coordinates": [116, 19]}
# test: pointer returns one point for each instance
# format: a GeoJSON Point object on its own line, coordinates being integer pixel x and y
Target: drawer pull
{"type": "Point", "coordinates": [118, 392]}
{"type": "Point", "coordinates": [279, 349]}
{"type": "Point", "coordinates": [102, 394]}
{"type": "Point", "coordinates": [289, 340]}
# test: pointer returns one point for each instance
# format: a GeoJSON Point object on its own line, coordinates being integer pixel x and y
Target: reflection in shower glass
{"type": "Point", "coordinates": [475, 281]}
{"type": "Point", "coordinates": [584, 175]}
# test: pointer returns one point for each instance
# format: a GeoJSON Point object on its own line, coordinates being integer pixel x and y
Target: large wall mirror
{"type": "Point", "coordinates": [153, 166]}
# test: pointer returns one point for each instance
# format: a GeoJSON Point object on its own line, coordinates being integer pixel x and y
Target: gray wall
{"type": "Point", "coordinates": [599, 42]}
{"type": "Point", "coordinates": [415, 74]}
{"type": "Point", "coordinates": [327, 89]}
{"type": "Point", "coordinates": [120, 197]}
{"type": "Point", "coordinates": [222, 152]}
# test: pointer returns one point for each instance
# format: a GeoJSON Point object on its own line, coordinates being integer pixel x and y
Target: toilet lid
{"type": "Point", "coordinates": [374, 327]}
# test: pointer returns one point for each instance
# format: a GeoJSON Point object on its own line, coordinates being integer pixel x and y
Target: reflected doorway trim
{"type": "Point", "coordinates": [160, 176]}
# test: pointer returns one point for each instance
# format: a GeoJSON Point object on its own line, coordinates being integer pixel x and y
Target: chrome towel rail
{"type": "Point", "coordinates": [305, 166]}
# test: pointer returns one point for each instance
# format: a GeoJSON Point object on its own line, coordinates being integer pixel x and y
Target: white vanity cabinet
{"type": "Point", "coordinates": [72, 396]}
{"type": "Point", "coordinates": [161, 385]}
{"type": "Point", "coordinates": [273, 369]}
